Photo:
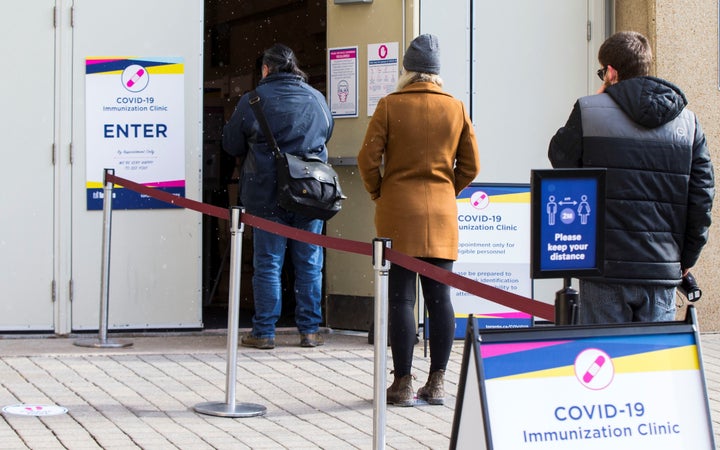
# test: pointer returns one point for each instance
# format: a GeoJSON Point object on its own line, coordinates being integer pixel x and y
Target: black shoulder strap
{"type": "Point", "coordinates": [262, 120]}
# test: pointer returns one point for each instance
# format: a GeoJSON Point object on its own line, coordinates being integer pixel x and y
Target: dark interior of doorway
{"type": "Point", "coordinates": [236, 33]}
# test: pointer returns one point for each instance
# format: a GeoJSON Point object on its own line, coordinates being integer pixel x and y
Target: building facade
{"type": "Point", "coordinates": [518, 65]}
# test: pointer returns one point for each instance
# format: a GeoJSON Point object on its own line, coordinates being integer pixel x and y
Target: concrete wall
{"type": "Point", "coordinates": [684, 35]}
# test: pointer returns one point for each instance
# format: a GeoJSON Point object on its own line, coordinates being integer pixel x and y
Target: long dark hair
{"type": "Point", "coordinates": [280, 58]}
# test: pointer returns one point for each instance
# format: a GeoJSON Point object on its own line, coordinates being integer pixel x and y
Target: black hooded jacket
{"type": "Point", "coordinates": [660, 182]}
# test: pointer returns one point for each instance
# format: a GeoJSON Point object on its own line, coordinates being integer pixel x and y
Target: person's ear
{"type": "Point", "coordinates": [612, 75]}
{"type": "Point", "coordinates": [264, 70]}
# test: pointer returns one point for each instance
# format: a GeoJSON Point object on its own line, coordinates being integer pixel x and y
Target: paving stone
{"type": "Point", "coordinates": [144, 396]}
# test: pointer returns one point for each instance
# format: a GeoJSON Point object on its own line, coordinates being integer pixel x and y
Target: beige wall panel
{"type": "Point", "coordinates": [686, 46]}
{"type": "Point", "coordinates": [634, 15]}
{"type": "Point", "coordinates": [684, 36]}
{"type": "Point", "coordinates": [358, 25]}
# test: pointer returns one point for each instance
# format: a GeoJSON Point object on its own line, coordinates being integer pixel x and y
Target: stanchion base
{"type": "Point", "coordinates": [99, 343]}
{"type": "Point", "coordinates": [228, 410]}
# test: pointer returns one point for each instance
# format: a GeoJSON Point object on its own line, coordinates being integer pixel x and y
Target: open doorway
{"type": "Point", "coordinates": [236, 34]}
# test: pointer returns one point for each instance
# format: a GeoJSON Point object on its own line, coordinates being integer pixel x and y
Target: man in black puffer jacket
{"type": "Point", "coordinates": [660, 184]}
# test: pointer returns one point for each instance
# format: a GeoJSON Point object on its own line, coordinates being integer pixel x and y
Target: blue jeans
{"type": "Point", "coordinates": [619, 303]}
{"type": "Point", "coordinates": [268, 259]}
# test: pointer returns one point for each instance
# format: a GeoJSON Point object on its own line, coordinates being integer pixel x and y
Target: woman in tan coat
{"type": "Point", "coordinates": [419, 153]}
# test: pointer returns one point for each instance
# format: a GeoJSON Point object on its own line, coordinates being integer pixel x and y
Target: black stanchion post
{"type": "Point", "coordinates": [381, 267]}
{"type": "Point", "coordinates": [102, 341]}
{"type": "Point", "coordinates": [566, 304]}
{"type": "Point", "coordinates": [229, 408]}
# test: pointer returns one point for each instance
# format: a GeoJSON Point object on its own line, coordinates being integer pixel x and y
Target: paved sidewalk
{"type": "Point", "coordinates": [143, 396]}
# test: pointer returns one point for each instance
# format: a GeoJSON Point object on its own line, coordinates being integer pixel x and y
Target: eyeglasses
{"type": "Point", "coordinates": [601, 73]}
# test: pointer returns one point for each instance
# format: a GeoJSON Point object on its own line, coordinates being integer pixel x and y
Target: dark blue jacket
{"type": "Point", "coordinates": [660, 182]}
{"type": "Point", "coordinates": [301, 123]}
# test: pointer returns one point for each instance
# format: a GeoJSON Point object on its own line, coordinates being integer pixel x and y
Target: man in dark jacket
{"type": "Point", "coordinates": [660, 184]}
{"type": "Point", "coordinates": [301, 123]}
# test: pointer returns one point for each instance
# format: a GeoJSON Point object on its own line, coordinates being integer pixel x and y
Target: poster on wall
{"type": "Point", "coordinates": [382, 72]}
{"type": "Point", "coordinates": [135, 124]}
{"type": "Point", "coordinates": [494, 249]}
{"type": "Point", "coordinates": [343, 74]}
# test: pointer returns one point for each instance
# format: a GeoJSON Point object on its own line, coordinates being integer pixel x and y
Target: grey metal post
{"type": "Point", "coordinates": [381, 266]}
{"type": "Point", "coordinates": [230, 408]}
{"type": "Point", "coordinates": [102, 341]}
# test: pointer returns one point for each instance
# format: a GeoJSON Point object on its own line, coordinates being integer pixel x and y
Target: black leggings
{"type": "Point", "coordinates": [401, 317]}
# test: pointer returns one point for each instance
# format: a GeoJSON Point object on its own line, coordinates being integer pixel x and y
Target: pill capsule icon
{"type": "Point", "coordinates": [594, 369]}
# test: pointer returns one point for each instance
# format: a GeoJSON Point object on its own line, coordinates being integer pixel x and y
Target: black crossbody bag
{"type": "Point", "coordinates": [305, 185]}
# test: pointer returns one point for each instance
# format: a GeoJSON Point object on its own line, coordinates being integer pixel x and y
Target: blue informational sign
{"type": "Point", "coordinates": [568, 218]}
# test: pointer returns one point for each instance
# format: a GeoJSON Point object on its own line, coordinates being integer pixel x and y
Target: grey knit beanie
{"type": "Point", "coordinates": [423, 55]}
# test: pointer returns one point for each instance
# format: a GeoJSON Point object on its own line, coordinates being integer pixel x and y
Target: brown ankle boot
{"type": "Point", "coordinates": [434, 390]}
{"type": "Point", "coordinates": [400, 392]}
